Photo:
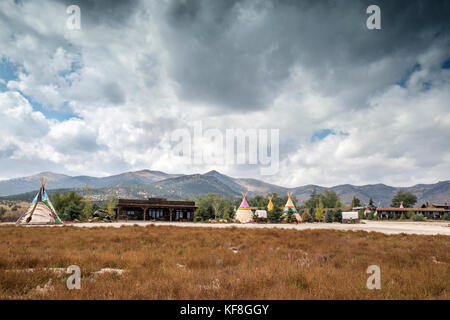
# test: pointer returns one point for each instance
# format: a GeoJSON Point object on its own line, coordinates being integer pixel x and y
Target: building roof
{"type": "Point", "coordinates": [156, 203]}
{"type": "Point", "coordinates": [413, 209]}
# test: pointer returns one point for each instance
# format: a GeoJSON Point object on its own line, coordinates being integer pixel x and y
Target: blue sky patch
{"type": "Point", "coordinates": [62, 114]}
{"type": "Point", "coordinates": [8, 72]}
{"type": "Point", "coordinates": [407, 75]}
{"type": "Point", "coordinates": [446, 64]}
{"type": "Point", "coordinates": [322, 134]}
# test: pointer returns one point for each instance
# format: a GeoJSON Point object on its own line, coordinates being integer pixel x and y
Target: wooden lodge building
{"type": "Point", "coordinates": [428, 212]}
{"type": "Point", "coordinates": [156, 209]}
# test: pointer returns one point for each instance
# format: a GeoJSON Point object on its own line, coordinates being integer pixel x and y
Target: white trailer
{"type": "Point", "coordinates": [350, 216]}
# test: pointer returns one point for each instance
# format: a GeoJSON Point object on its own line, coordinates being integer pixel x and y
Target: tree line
{"type": "Point", "coordinates": [322, 207]}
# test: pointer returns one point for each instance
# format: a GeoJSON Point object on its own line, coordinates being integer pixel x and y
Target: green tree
{"type": "Point", "coordinates": [330, 199]}
{"type": "Point", "coordinates": [87, 207]}
{"type": "Point", "coordinates": [74, 211]}
{"type": "Point", "coordinates": [64, 200]}
{"type": "Point", "coordinates": [409, 199]}
{"type": "Point", "coordinates": [258, 201]}
{"type": "Point", "coordinates": [319, 215]}
{"type": "Point", "coordinates": [447, 216]}
{"type": "Point", "coordinates": [111, 205]}
{"type": "Point", "coordinates": [329, 216]}
{"type": "Point", "coordinates": [370, 202]}
{"type": "Point", "coordinates": [313, 201]}
{"type": "Point", "coordinates": [361, 214]}
{"type": "Point", "coordinates": [337, 215]}
{"type": "Point", "coordinates": [226, 208]}
{"type": "Point", "coordinates": [215, 201]}
{"type": "Point", "coordinates": [312, 212]}
{"type": "Point", "coordinates": [274, 216]}
{"type": "Point", "coordinates": [356, 202]}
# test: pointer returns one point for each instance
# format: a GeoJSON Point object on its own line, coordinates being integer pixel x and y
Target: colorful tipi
{"type": "Point", "coordinates": [290, 205]}
{"type": "Point", "coordinates": [270, 205]}
{"type": "Point", "coordinates": [41, 210]}
{"type": "Point", "coordinates": [244, 214]}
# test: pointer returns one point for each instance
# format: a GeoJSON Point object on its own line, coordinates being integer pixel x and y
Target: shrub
{"type": "Point", "coordinates": [74, 211]}
{"type": "Point", "coordinates": [410, 214]}
{"type": "Point", "coordinates": [11, 216]}
{"type": "Point", "coordinates": [329, 216]}
{"type": "Point", "coordinates": [419, 217]}
{"type": "Point", "coordinates": [447, 216]}
{"type": "Point", "coordinates": [361, 214]}
{"type": "Point", "coordinates": [402, 217]}
{"type": "Point", "coordinates": [312, 212]}
{"type": "Point", "coordinates": [337, 215]}
{"type": "Point", "coordinates": [370, 216]}
{"type": "Point", "coordinates": [274, 216]}
{"type": "Point", "coordinates": [2, 212]}
{"type": "Point", "coordinates": [306, 217]}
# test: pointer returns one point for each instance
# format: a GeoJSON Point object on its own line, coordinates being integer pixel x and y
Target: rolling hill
{"type": "Point", "coordinates": [145, 183]}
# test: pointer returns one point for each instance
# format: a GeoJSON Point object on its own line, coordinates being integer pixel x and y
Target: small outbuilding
{"type": "Point", "coordinates": [350, 216]}
{"type": "Point", "coordinates": [260, 216]}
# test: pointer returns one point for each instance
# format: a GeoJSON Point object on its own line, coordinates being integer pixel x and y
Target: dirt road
{"type": "Point", "coordinates": [387, 227]}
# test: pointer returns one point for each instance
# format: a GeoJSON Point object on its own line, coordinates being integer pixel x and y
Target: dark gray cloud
{"type": "Point", "coordinates": [236, 54]}
{"type": "Point", "coordinates": [114, 13]}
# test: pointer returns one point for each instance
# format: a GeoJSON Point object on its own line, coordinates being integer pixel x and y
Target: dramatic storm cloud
{"type": "Point", "coordinates": [353, 105]}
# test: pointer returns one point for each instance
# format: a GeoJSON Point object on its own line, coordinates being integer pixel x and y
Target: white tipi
{"type": "Point", "coordinates": [244, 214]}
{"type": "Point", "coordinates": [41, 210]}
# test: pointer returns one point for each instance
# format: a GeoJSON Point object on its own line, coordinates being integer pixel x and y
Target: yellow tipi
{"type": "Point", "coordinates": [270, 205]}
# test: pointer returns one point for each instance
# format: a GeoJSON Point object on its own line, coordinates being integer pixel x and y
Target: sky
{"type": "Point", "coordinates": [352, 105]}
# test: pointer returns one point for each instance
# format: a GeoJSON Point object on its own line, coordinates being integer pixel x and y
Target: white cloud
{"type": "Point", "coordinates": [134, 77]}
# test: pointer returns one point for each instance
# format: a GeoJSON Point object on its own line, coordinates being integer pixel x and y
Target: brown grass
{"type": "Point", "coordinates": [196, 263]}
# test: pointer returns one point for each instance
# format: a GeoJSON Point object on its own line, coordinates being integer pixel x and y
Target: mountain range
{"type": "Point", "coordinates": [146, 183]}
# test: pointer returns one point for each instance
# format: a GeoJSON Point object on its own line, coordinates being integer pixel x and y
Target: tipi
{"type": "Point", "coordinates": [41, 210]}
{"type": "Point", "coordinates": [270, 205]}
{"type": "Point", "coordinates": [290, 205]}
{"type": "Point", "coordinates": [244, 214]}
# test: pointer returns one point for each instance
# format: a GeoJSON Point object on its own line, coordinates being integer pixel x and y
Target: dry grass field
{"type": "Point", "coordinates": [205, 263]}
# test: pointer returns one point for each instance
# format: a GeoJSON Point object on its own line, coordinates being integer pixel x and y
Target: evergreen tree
{"type": "Point", "coordinates": [274, 216]}
{"type": "Point", "coordinates": [312, 212]}
{"type": "Point", "coordinates": [356, 202]}
{"type": "Point", "coordinates": [337, 215]}
{"type": "Point", "coordinates": [329, 216]}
